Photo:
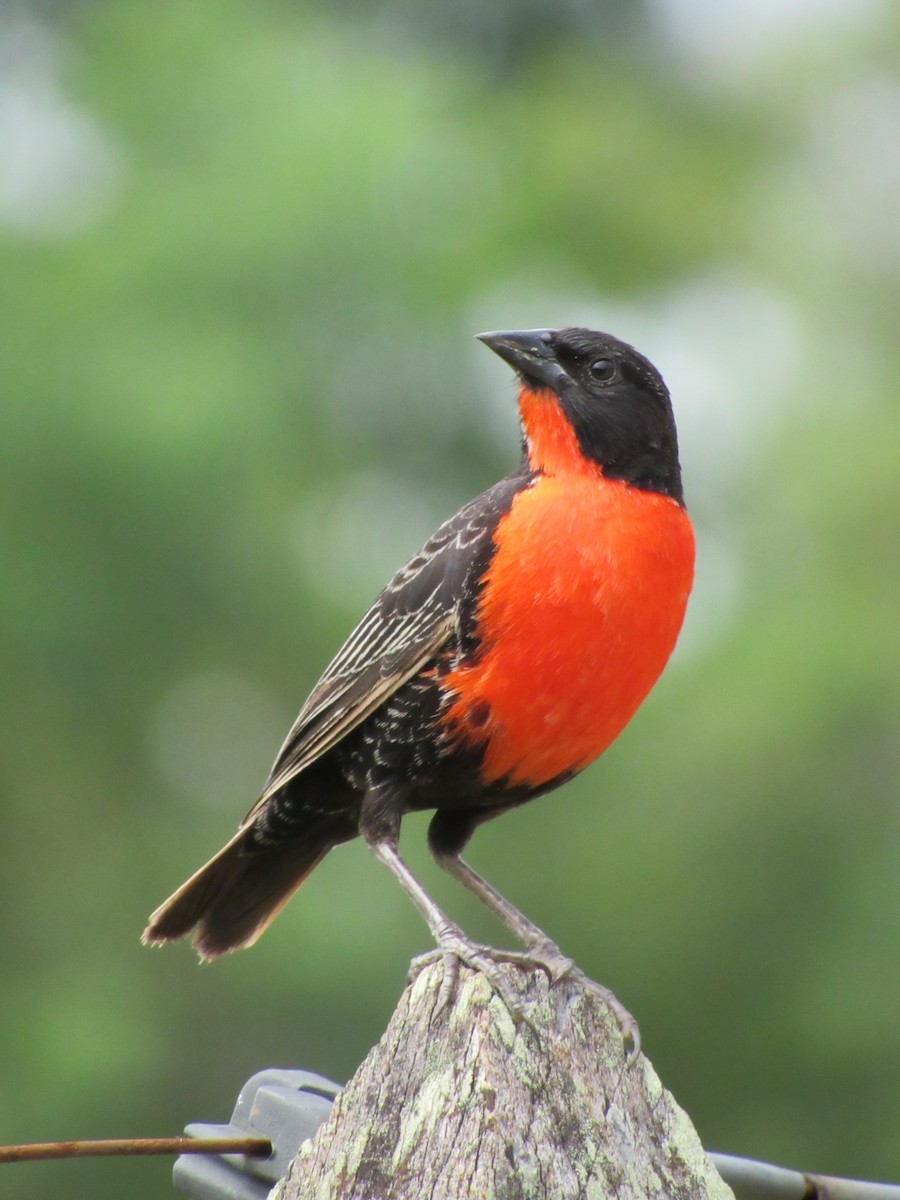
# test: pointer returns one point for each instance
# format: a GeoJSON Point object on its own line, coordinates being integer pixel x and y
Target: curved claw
{"type": "Point", "coordinates": [632, 1040]}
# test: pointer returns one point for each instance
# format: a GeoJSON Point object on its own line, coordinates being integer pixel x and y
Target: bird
{"type": "Point", "coordinates": [498, 663]}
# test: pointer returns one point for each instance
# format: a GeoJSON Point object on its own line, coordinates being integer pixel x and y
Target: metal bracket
{"type": "Point", "coordinates": [287, 1107]}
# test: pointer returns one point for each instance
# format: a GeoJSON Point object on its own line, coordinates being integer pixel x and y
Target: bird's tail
{"type": "Point", "coordinates": [229, 902]}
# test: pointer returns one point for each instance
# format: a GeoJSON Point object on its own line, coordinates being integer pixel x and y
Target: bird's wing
{"type": "Point", "coordinates": [409, 622]}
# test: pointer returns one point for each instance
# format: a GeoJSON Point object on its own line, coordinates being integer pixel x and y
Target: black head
{"type": "Point", "coordinates": [613, 397]}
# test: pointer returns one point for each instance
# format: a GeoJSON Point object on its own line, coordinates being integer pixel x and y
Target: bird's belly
{"type": "Point", "coordinates": [578, 614]}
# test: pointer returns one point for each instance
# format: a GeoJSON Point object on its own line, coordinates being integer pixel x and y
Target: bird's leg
{"type": "Point", "coordinates": [454, 946]}
{"type": "Point", "coordinates": [540, 951]}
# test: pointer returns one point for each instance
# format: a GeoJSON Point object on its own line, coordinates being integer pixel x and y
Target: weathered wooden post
{"type": "Point", "coordinates": [463, 1103]}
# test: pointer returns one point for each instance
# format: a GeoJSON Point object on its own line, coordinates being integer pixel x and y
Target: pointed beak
{"type": "Point", "coordinates": [528, 351]}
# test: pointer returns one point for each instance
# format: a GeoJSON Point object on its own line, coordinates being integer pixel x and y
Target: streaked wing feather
{"type": "Point", "coordinates": [333, 720]}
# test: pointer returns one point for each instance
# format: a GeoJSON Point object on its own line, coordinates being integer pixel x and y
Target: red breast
{"type": "Point", "coordinates": [579, 610]}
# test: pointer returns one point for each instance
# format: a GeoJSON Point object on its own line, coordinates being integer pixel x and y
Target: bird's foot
{"type": "Point", "coordinates": [455, 948]}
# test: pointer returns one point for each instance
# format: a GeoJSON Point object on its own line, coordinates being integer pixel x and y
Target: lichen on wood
{"type": "Point", "coordinates": [464, 1103]}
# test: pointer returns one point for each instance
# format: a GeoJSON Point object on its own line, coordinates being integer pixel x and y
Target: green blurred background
{"type": "Point", "coordinates": [244, 247]}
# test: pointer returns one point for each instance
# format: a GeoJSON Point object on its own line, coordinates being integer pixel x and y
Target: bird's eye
{"type": "Point", "coordinates": [602, 370]}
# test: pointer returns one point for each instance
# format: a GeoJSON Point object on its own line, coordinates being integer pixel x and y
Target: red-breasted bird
{"type": "Point", "coordinates": [498, 663]}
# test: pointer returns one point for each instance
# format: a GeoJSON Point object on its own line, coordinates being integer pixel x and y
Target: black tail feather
{"type": "Point", "coordinates": [230, 901]}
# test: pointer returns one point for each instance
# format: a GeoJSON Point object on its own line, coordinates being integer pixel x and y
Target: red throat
{"type": "Point", "coordinates": [550, 439]}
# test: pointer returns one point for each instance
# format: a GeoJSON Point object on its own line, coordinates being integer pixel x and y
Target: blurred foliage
{"type": "Point", "coordinates": [239, 387]}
